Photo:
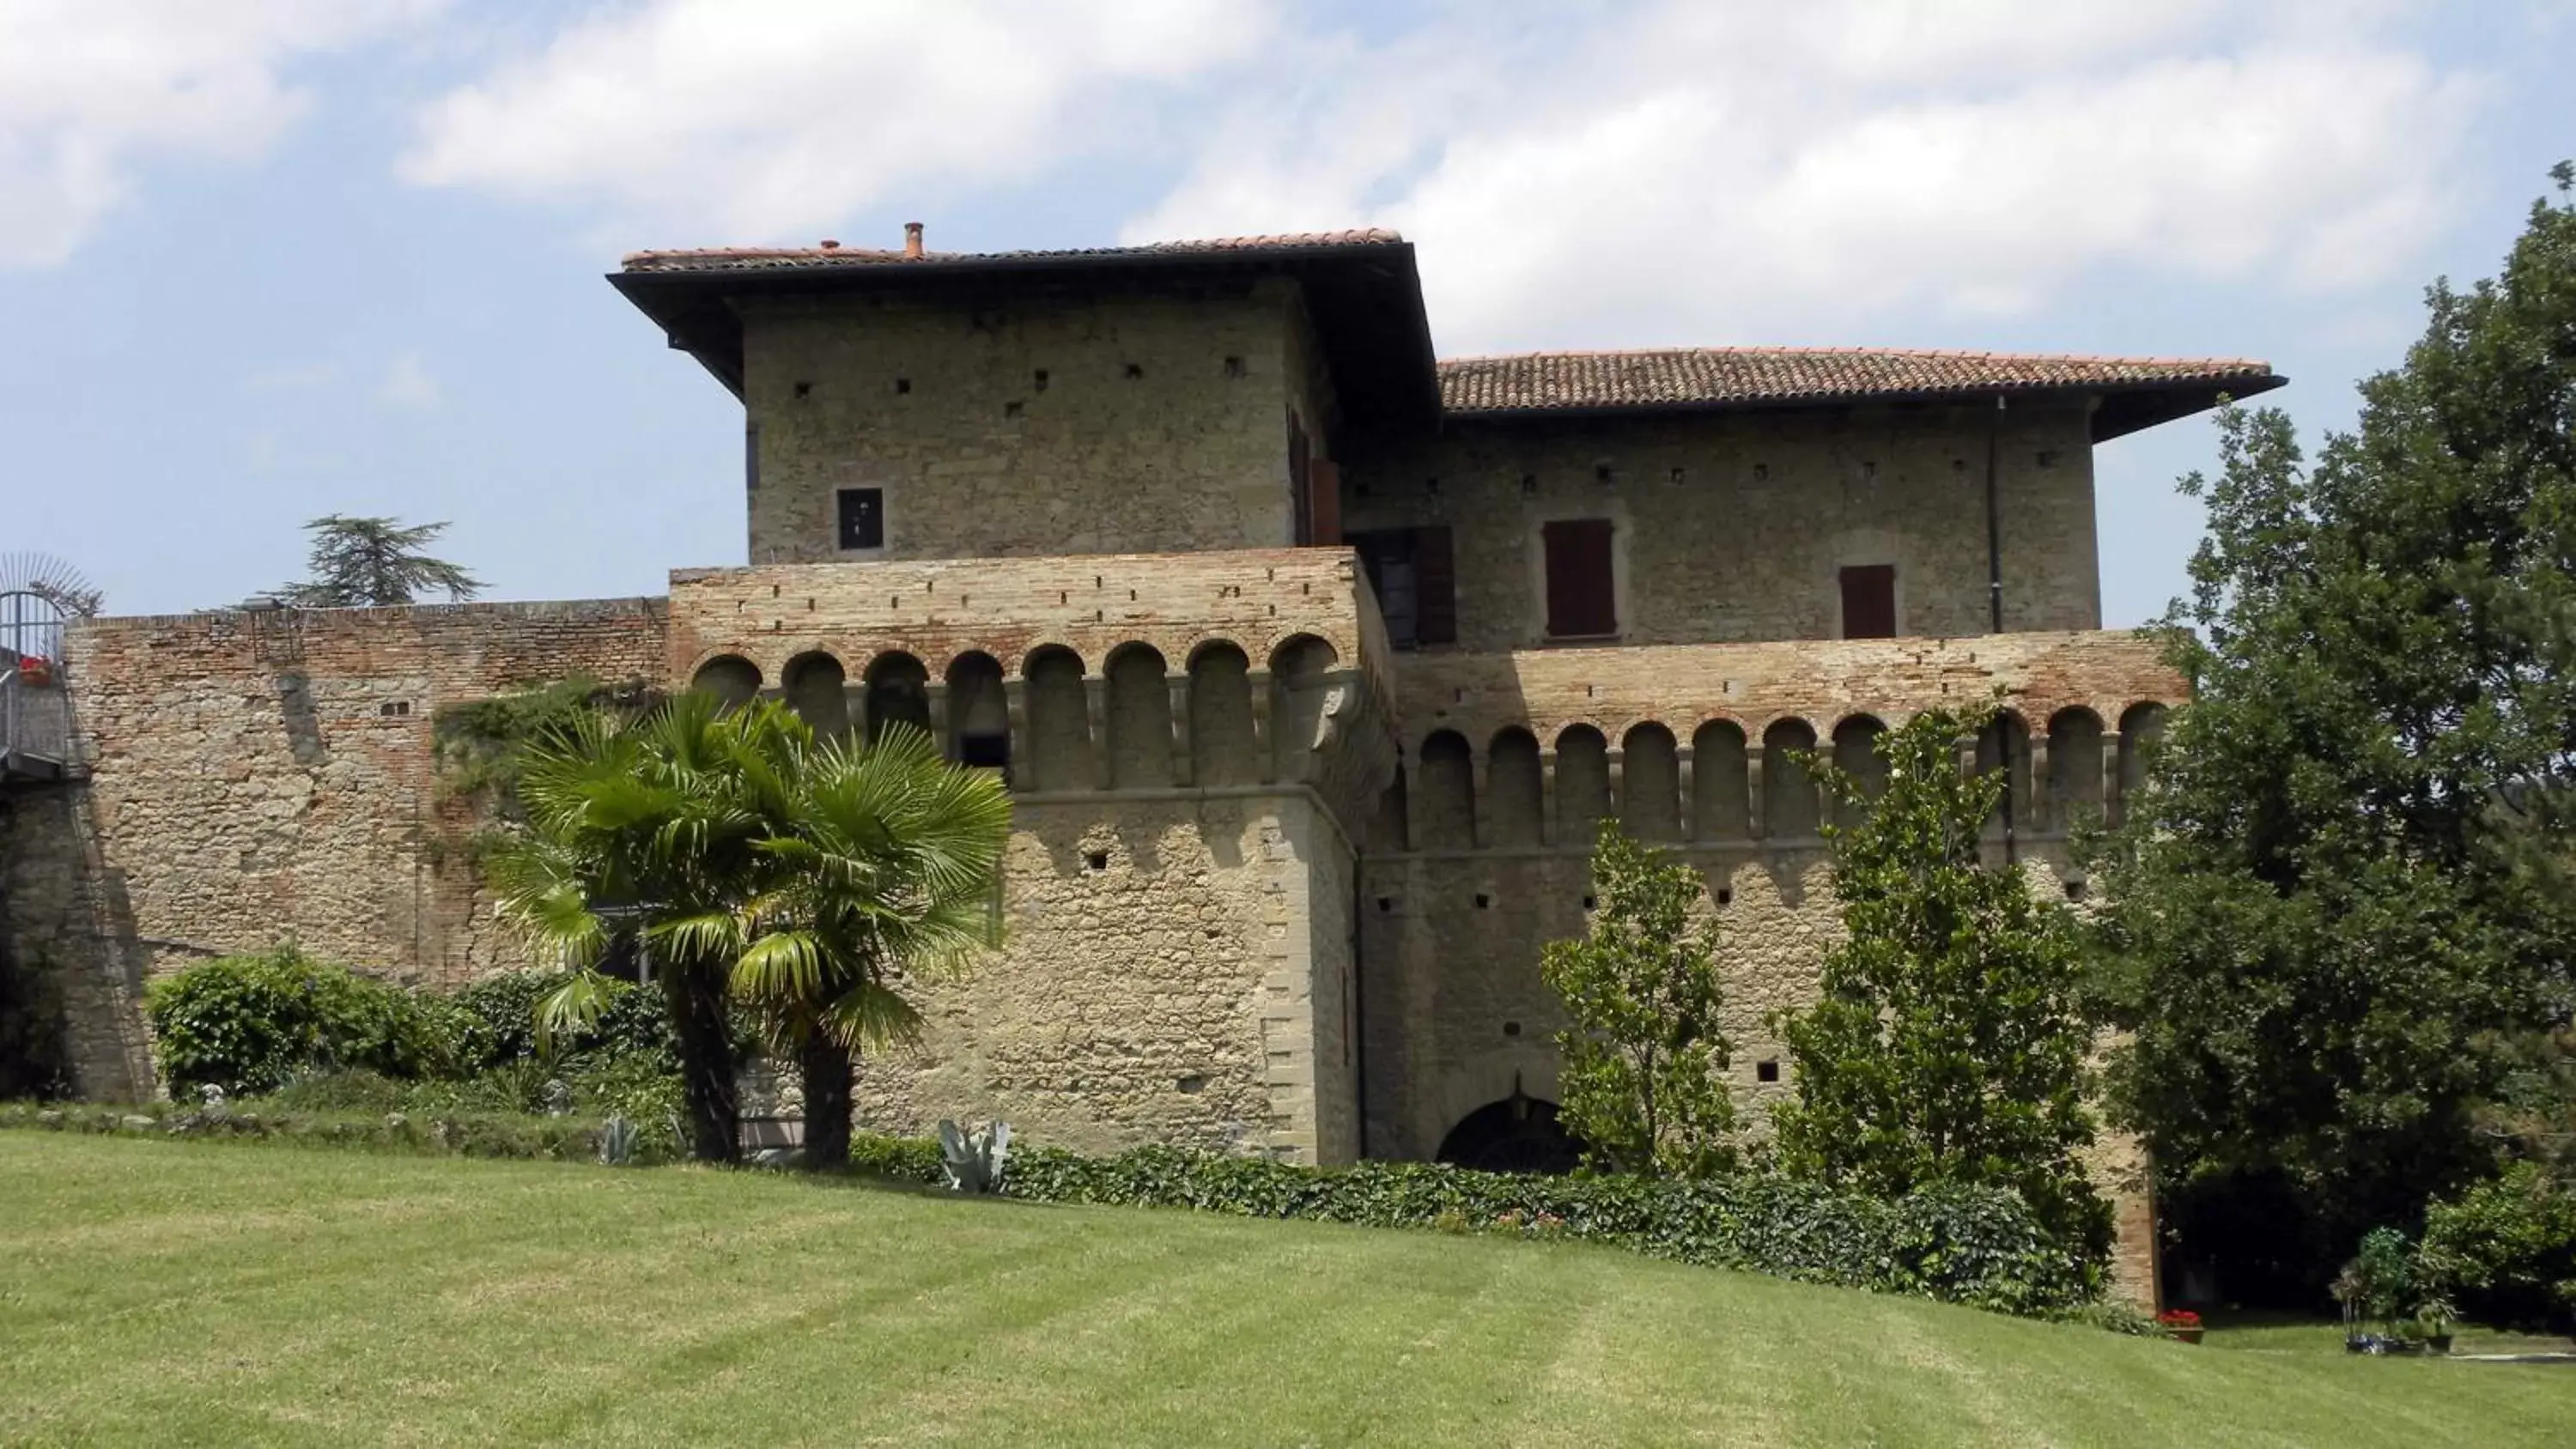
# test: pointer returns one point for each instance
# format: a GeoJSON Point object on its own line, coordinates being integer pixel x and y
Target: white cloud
{"type": "Point", "coordinates": [1828, 164]}
{"type": "Point", "coordinates": [770, 121]}
{"type": "Point", "coordinates": [407, 383]}
{"type": "Point", "coordinates": [92, 89]}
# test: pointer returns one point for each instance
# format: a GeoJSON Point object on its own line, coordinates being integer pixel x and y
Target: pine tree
{"type": "Point", "coordinates": [357, 562]}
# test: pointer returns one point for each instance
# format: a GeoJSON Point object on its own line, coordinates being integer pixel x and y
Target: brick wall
{"type": "Point", "coordinates": [1161, 422]}
{"type": "Point", "coordinates": [1735, 527]}
{"type": "Point", "coordinates": [1255, 599]}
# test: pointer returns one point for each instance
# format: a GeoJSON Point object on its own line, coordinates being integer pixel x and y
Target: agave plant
{"type": "Point", "coordinates": [618, 1139]}
{"type": "Point", "coordinates": [975, 1160]}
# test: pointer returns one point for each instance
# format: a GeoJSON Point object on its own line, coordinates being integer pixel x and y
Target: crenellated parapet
{"type": "Point", "coordinates": [1249, 669]}
{"type": "Point", "coordinates": [1702, 743]}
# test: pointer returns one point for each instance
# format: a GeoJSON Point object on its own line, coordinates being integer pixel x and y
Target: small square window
{"type": "Point", "coordinates": [862, 523]}
{"type": "Point", "coordinates": [1766, 1071]}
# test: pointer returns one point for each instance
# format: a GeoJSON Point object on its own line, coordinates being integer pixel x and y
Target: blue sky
{"type": "Point", "coordinates": [270, 259]}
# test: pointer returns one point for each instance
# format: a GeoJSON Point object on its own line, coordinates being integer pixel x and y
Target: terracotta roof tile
{"type": "Point", "coordinates": [753, 259]}
{"type": "Point", "coordinates": [1718, 376]}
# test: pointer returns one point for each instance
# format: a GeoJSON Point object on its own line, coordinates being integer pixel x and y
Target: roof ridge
{"type": "Point", "coordinates": [1272, 241]}
{"type": "Point", "coordinates": [1954, 354]}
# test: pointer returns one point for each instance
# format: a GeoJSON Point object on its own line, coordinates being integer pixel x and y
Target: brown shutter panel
{"type": "Point", "coordinates": [1869, 602]}
{"type": "Point", "coordinates": [1301, 485]}
{"type": "Point", "coordinates": [1324, 477]}
{"type": "Point", "coordinates": [1435, 587]}
{"type": "Point", "coordinates": [1582, 601]}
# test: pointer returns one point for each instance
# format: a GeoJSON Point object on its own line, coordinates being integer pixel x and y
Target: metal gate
{"type": "Point", "coordinates": [39, 597]}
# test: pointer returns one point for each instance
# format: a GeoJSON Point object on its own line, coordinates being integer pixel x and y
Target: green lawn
{"type": "Point", "coordinates": [169, 1293]}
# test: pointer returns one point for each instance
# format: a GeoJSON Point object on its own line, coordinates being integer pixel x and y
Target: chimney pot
{"type": "Point", "coordinates": [912, 239]}
{"type": "Point", "coordinates": [830, 245]}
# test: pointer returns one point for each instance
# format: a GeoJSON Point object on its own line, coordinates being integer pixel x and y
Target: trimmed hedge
{"type": "Point", "coordinates": [1978, 1246]}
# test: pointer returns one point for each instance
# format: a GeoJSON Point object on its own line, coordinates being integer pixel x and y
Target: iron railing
{"type": "Point", "coordinates": [35, 722]}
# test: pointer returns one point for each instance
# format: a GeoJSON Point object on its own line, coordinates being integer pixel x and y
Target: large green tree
{"type": "Point", "coordinates": [1947, 1044]}
{"type": "Point", "coordinates": [1642, 1086]}
{"type": "Point", "coordinates": [2342, 896]}
{"type": "Point", "coordinates": [356, 562]}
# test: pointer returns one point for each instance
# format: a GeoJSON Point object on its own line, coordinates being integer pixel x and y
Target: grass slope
{"type": "Point", "coordinates": [174, 1293]}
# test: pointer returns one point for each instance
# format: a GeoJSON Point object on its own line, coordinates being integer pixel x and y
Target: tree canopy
{"type": "Point", "coordinates": [358, 562]}
{"type": "Point", "coordinates": [1947, 1044]}
{"type": "Point", "coordinates": [2341, 899]}
{"type": "Point", "coordinates": [1641, 1086]}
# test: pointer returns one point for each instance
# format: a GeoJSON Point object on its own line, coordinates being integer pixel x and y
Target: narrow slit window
{"type": "Point", "coordinates": [1869, 601]}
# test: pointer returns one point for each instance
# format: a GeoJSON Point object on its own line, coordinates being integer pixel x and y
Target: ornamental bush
{"type": "Point", "coordinates": [2507, 1248]}
{"type": "Point", "coordinates": [250, 1023]}
{"type": "Point", "coordinates": [1980, 1246]}
{"type": "Point", "coordinates": [497, 1023]}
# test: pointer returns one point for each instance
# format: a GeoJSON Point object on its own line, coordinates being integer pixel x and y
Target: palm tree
{"type": "Point", "coordinates": [885, 872]}
{"type": "Point", "coordinates": [654, 825]}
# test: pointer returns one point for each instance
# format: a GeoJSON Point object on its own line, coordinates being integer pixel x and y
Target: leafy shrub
{"type": "Point", "coordinates": [2112, 1316]}
{"type": "Point", "coordinates": [497, 1022]}
{"type": "Point", "coordinates": [343, 1090]}
{"type": "Point", "coordinates": [251, 1023]}
{"type": "Point", "coordinates": [630, 1085]}
{"type": "Point", "coordinates": [1974, 1245]}
{"type": "Point", "coordinates": [2507, 1248]}
{"type": "Point", "coordinates": [462, 1134]}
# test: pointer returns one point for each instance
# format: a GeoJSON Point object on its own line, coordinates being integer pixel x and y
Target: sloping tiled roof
{"type": "Point", "coordinates": [758, 259]}
{"type": "Point", "coordinates": [1754, 376]}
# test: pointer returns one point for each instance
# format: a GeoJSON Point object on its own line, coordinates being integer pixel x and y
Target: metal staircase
{"type": "Point", "coordinates": [35, 725]}
{"type": "Point", "coordinates": [38, 596]}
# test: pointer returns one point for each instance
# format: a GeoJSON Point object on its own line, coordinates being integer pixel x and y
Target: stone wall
{"type": "Point", "coordinates": [1030, 426]}
{"type": "Point", "coordinates": [1009, 610]}
{"type": "Point", "coordinates": [1510, 758]}
{"type": "Point", "coordinates": [1179, 959]}
{"type": "Point", "coordinates": [1161, 981]}
{"type": "Point", "coordinates": [254, 776]}
{"type": "Point", "coordinates": [1735, 527]}
{"type": "Point", "coordinates": [58, 915]}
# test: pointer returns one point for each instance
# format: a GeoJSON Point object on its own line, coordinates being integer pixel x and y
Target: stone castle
{"type": "Point", "coordinates": [1311, 660]}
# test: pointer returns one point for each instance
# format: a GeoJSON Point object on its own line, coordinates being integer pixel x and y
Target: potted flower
{"type": "Point", "coordinates": [2180, 1324]}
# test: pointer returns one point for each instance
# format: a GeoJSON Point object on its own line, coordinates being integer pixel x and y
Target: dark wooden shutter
{"type": "Point", "coordinates": [1324, 481]}
{"type": "Point", "coordinates": [1301, 484]}
{"type": "Point", "coordinates": [1435, 587]}
{"type": "Point", "coordinates": [1869, 602]}
{"type": "Point", "coordinates": [1581, 599]}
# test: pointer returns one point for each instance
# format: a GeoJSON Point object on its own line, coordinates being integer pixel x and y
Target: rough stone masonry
{"type": "Point", "coordinates": [1310, 660]}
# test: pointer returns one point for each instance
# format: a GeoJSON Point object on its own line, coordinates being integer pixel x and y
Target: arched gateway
{"type": "Point", "coordinates": [1516, 1134]}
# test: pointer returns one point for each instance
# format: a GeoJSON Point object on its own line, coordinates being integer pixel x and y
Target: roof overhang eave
{"type": "Point", "coordinates": [2182, 398]}
{"type": "Point", "coordinates": [694, 308]}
